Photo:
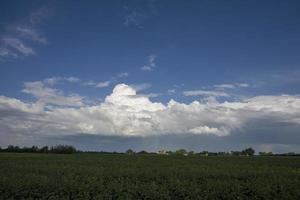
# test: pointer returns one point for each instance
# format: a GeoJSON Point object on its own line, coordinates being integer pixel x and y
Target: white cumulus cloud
{"type": "Point", "coordinates": [126, 113]}
{"type": "Point", "coordinates": [207, 130]}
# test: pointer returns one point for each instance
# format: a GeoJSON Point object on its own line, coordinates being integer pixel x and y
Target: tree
{"type": "Point", "coordinates": [248, 152]}
{"type": "Point", "coordinates": [236, 153]}
{"type": "Point", "coordinates": [12, 148]}
{"type": "Point", "coordinates": [64, 149]}
{"type": "Point", "coordinates": [130, 151]}
{"type": "Point", "coordinates": [44, 149]}
{"type": "Point", "coordinates": [34, 149]}
{"type": "Point", "coordinates": [203, 153]}
{"type": "Point", "coordinates": [143, 152]}
{"type": "Point", "coordinates": [181, 152]}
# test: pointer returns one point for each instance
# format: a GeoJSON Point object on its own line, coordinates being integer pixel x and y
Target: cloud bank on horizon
{"type": "Point", "coordinates": [126, 113]}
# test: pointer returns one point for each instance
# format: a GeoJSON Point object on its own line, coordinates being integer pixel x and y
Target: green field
{"type": "Point", "coordinates": [120, 176]}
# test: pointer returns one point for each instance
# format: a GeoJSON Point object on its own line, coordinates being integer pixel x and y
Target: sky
{"type": "Point", "coordinates": [150, 75]}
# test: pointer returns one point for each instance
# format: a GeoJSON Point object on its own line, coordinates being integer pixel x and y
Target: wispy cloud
{"type": "Point", "coordinates": [288, 76]}
{"type": "Point", "coordinates": [40, 14]}
{"type": "Point", "coordinates": [225, 86]}
{"type": "Point", "coordinates": [134, 15]}
{"type": "Point", "coordinates": [232, 86]}
{"type": "Point", "coordinates": [6, 53]}
{"type": "Point", "coordinates": [171, 91]}
{"type": "Point", "coordinates": [106, 83]}
{"type": "Point", "coordinates": [31, 34]}
{"type": "Point", "coordinates": [19, 38]}
{"type": "Point", "coordinates": [57, 79]}
{"type": "Point", "coordinates": [151, 63]}
{"type": "Point", "coordinates": [140, 87]}
{"type": "Point", "coordinates": [276, 78]}
{"type": "Point", "coordinates": [206, 93]}
{"type": "Point", "coordinates": [72, 79]}
{"type": "Point", "coordinates": [122, 74]}
{"type": "Point", "coordinates": [151, 95]}
{"type": "Point", "coordinates": [243, 85]}
{"type": "Point", "coordinates": [119, 76]}
{"type": "Point", "coordinates": [103, 84]}
{"type": "Point", "coordinates": [89, 83]}
{"type": "Point", "coordinates": [14, 47]}
{"type": "Point", "coordinates": [133, 18]}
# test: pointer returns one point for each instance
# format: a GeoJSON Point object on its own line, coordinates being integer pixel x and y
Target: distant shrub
{"type": "Point", "coordinates": [181, 152]}
{"type": "Point", "coordinates": [248, 152]}
{"type": "Point", "coordinates": [265, 153]}
{"type": "Point", "coordinates": [44, 149]}
{"type": "Point", "coordinates": [129, 151]}
{"type": "Point", "coordinates": [142, 152]}
{"type": "Point", "coordinates": [65, 149]}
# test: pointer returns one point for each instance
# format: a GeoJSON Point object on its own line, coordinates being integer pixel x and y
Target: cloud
{"type": "Point", "coordinates": [150, 65]}
{"type": "Point", "coordinates": [19, 38]}
{"type": "Point", "coordinates": [231, 86]}
{"type": "Point", "coordinates": [89, 83]}
{"type": "Point", "coordinates": [16, 47]}
{"type": "Point", "coordinates": [126, 113]}
{"type": "Point", "coordinates": [149, 95]}
{"type": "Point", "coordinates": [207, 130]}
{"type": "Point", "coordinates": [225, 86]}
{"type": "Point", "coordinates": [284, 77]}
{"type": "Point", "coordinates": [123, 74]}
{"type": "Point", "coordinates": [206, 93]}
{"type": "Point", "coordinates": [243, 85]}
{"type": "Point", "coordinates": [132, 18]}
{"type": "Point", "coordinates": [72, 79]}
{"type": "Point", "coordinates": [58, 79]}
{"type": "Point", "coordinates": [103, 84]}
{"type": "Point", "coordinates": [135, 14]}
{"type": "Point", "coordinates": [6, 53]}
{"type": "Point", "coordinates": [40, 14]}
{"type": "Point", "coordinates": [119, 76]}
{"type": "Point", "coordinates": [31, 34]}
{"type": "Point", "coordinates": [171, 91]}
{"type": "Point", "coordinates": [47, 95]}
{"type": "Point", "coordinates": [140, 87]}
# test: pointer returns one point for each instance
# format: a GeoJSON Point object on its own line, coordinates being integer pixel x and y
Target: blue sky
{"type": "Point", "coordinates": [72, 54]}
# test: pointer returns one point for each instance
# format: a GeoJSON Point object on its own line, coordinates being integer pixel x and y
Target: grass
{"type": "Point", "coordinates": [120, 176]}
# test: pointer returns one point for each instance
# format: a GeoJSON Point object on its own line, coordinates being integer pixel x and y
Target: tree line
{"type": "Point", "coordinates": [68, 149]}
{"type": "Point", "coordinates": [246, 152]}
{"type": "Point", "coordinates": [63, 149]}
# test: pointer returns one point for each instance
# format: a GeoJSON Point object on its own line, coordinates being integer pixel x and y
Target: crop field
{"type": "Point", "coordinates": [121, 176]}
